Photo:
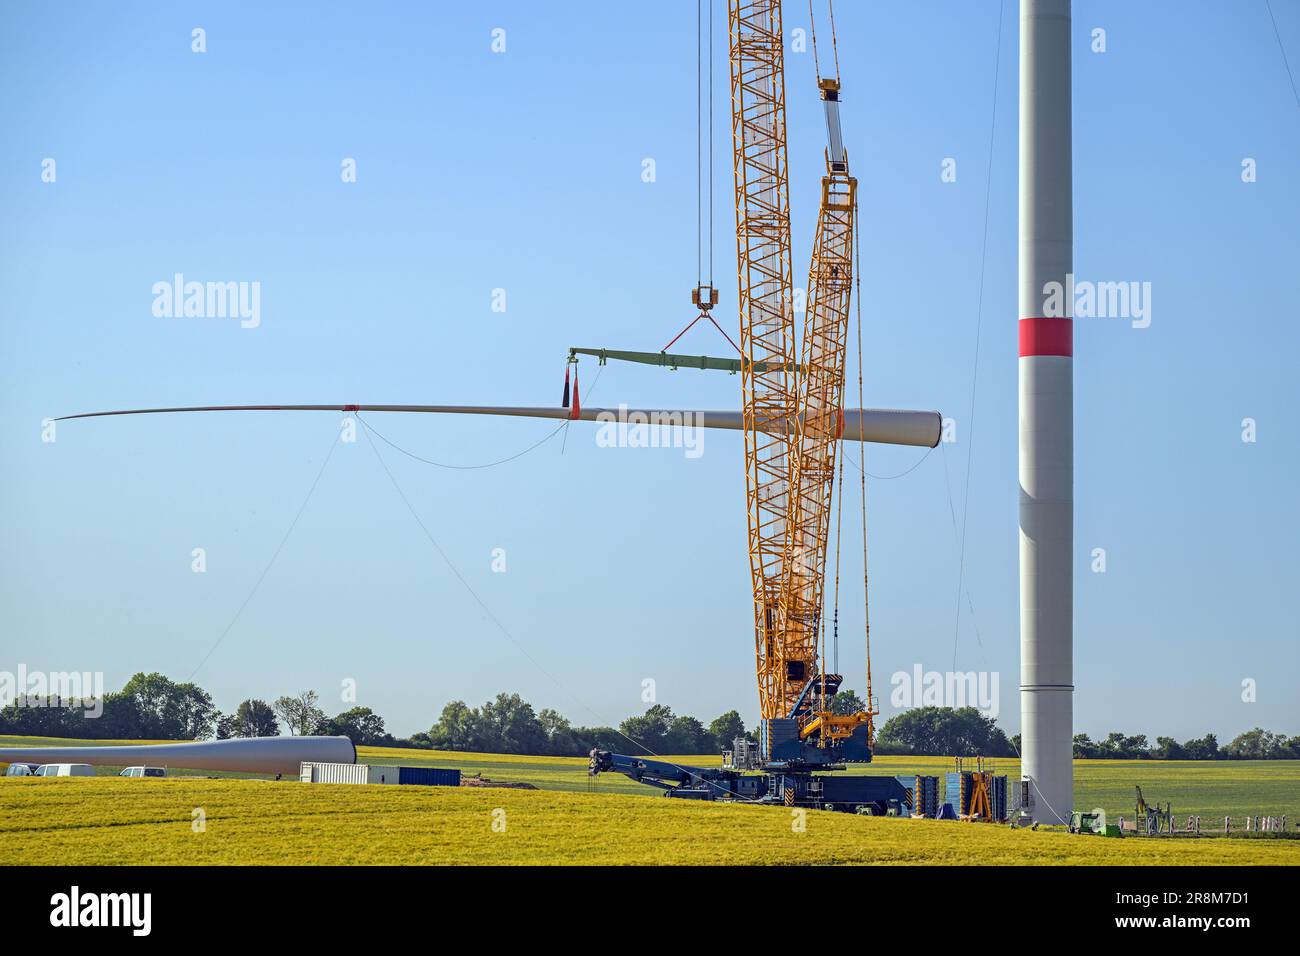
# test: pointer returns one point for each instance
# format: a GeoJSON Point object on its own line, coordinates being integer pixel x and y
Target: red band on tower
{"type": "Point", "coordinates": [1046, 336]}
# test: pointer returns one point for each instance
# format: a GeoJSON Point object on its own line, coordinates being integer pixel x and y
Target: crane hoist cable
{"type": "Point", "coordinates": [862, 463]}
{"type": "Point", "coordinates": [839, 534]}
{"type": "Point", "coordinates": [835, 50]}
{"type": "Point", "coordinates": [704, 295]}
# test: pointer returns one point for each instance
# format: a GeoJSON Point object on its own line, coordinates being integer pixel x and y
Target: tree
{"type": "Point", "coordinates": [165, 710]}
{"type": "Point", "coordinates": [1257, 744]}
{"type": "Point", "coordinates": [847, 702]}
{"type": "Point", "coordinates": [650, 729]}
{"type": "Point", "coordinates": [562, 740]}
{"type": "Point", "coordinates": [1117, 746]}
{"type": "Point", "coordinates": [42, 717]}
{"type": "Point", "coordinates": [1207, 748]}
{"type": "Point", "coordinates": [512, 725]}
{"type": "Point", "coordinates": [225, 726]}
{"type": "Point", "coordinates": [254, 718]}
{"type": "Point", "coordinates": [301, 713]}
{"type": "Point", "coordinates": [943, 731]}
{"type": "Point", "coordinates": [726, 728]}
{"type": "Point", "coordinates": [686, 735]}
{"type": "Point", "coordinates": [361, 725]}
{"type": "Point", "coordinates": [1084, 748]}
{"type": "Point", "coordinates": [459, 728]}
{"type": "Point", "coordinates": [1168, 749]}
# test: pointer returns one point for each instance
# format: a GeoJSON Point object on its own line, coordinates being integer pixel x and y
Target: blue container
{"type": "Point", "coordinates": [998, 797]}
{"type": "Point", "coordinates": [927, 799]}
{"type": "Point", "coordinates": [922, 793]}
{"type": "Point", "coordinates": [956, 791]}
{"type": "Point", "coordinates": [428, 776]}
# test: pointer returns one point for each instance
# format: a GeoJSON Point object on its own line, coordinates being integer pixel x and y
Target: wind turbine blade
{"type": "Point", "coordinates": [889, 426]}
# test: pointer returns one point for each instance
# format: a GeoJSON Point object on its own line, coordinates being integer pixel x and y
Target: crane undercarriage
{"type": "Point", "coordinates": [791, 783]}
{"type": "Point", "coordinates": [783, 767]}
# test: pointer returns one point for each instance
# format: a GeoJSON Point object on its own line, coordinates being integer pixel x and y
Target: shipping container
{"type": "Point", "coordinates": [378, 773]}
{"type": "Point", "coordinates": [332, 772]}
{"type": "Point", "coordinates": [429, 776]}
{"type": "Point", "coordinates": [383, 774]}
{"type": "Point", "coordinates": [998, 797]}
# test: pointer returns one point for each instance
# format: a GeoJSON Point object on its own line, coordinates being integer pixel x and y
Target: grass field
{"type": "Point", "coordinates": [117, 821]}
{"type": "Point", "coordinates": [572, 819]}
{"type": "Point", "coordinates": [1213, 789]}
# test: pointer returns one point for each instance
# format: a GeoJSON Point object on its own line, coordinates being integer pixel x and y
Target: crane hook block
{"type": "Point", "coordinates": [704, 297]}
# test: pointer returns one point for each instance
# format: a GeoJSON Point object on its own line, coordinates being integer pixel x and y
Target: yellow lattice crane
{"type": "Point", "coordinates": [793, 408]}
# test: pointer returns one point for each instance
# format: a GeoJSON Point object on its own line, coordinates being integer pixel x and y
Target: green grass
{"type": "Point", "coordinates": [120, 821]}
{"type": "Point", "coordinates": [1212, 789]}
{"type": "Point", "coordinates": [609, 819]}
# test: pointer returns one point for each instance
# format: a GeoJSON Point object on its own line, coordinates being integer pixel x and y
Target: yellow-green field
{"type": "Point", "coordinates": [571, 819]}
{"type": "Point", "coordinates": [1213, 789]}
{"type": "Point", "coordinates": [116, 821]}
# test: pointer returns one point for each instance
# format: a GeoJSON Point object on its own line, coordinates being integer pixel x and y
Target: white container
{"type": "Point", "coordinates": [333, 772]}
{"type": "Point", "coordinates": [382, 774]}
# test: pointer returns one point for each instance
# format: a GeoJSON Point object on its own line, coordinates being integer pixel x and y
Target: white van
{"type": "Point", "coordinates": [65, 770]}
{"type": "Point", "coordinates": [22, 769]}
{"type": "Point", "coordinates": [143, 772]}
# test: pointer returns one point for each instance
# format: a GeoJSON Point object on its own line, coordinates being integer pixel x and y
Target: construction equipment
{"type": "Point", "coordinates": [1093, 823]}
{"type": "Point", "coordinates": [977, 795]}
{"type": "Point", "coordinates": [794, 425]}
{"type": "Point", "coordinates": [1151, 820]}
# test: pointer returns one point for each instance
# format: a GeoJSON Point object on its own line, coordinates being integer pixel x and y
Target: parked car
{"type": "Point", "coordinates": [143, 772]}
{"type": "Point", "coordinates": [65, 770]}
{"type": "Point", "coordinates": [22, 769]}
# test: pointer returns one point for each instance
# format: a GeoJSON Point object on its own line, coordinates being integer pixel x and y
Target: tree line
{"type": "Point", "coordinates": [1256, 744]}
{"type": "Point", "coordinates": [153, 707]}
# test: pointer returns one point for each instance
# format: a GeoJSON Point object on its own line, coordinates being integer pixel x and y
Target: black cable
{"type": "Point", "coordinates": [979, 322]}
{"type": "Point", "coordinates": [901, 474]}
{"type": "Point", "coordinates": [497, 621]}
{"type": "Point", "coordinates": [1285, 62]}
{"type": "Point", "coordinates": [439, 464]}
{"type": "Point", "coordinates": [266, 570]}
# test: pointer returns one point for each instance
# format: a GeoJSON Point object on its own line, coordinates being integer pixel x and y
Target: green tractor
{"type": "Point", "coordinates": [1082, 821]}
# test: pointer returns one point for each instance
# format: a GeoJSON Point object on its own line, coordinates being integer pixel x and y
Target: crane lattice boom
{"type": "Point", "coordinates": [766, 305]}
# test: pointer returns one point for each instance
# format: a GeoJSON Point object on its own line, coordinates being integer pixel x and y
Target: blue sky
{"type": "Point", "coordinates": [522, 170]}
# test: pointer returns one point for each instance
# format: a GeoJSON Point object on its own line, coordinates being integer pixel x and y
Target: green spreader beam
{"type": "Point", "coordinates": [670, 360]}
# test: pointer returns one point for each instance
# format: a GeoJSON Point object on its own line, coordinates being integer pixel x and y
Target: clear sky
{"type": "Point", "coordinates": [522, 171]}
